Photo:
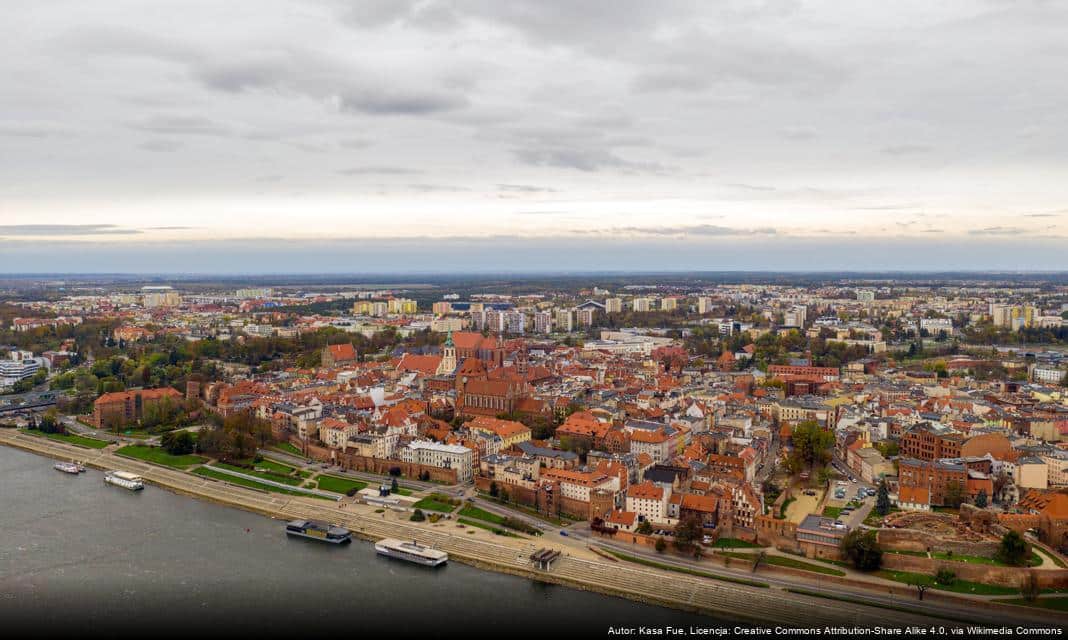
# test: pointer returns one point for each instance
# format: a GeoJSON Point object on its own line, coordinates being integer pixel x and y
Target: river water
{"type": "Point", "coordinates": [80, 556]}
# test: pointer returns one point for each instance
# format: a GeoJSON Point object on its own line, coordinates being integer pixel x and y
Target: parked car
{"type": "Point", "coordinates": [563, 533]}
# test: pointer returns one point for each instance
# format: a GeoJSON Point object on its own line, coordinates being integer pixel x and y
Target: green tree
{"type": "Point", "coordinates": [882, 501]}
{"type": "Point", "coordinates": [954, 495]}
{"type": "Point", "coordinates": [418, 516]}
{"type": "Point", "coordinates": [981, 499]}
{"type": "Point", "coordinates": [945, 577]}
{"type": "Point", "coordinates": [394, 485]}
{"type": "Point", "coordinates": [812, 446]}
{"type": "Point", "coordinates": [661, 544]}
{"type": "Point", "coordinates": [687, 532]}
{"type": "Point", "coordinates": [1013, 549]}
{"type": "Point", "coordinates": [644, 527]}
{"type": "Point", "coordinates": [862, 549]}
{"type": "Point", "coordinates": [494, 490]}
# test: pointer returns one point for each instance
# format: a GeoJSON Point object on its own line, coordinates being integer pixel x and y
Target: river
{"type": "Point", "coordinates": [77, 555]}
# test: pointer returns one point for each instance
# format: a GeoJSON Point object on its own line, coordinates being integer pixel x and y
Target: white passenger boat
{"type": "Point", "coordinates": [67, 467]}
{"type": "Point", "coordinates": [411, 552]}
{"type": "Point", "coordinates": [123, 479]}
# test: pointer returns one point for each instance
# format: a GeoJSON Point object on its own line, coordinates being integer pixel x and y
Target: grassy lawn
{"type": "Point", "coordinates": [208, 472]}
{"type": "Point", "coordinates": [487, 526]}
{"type": "Point", "coordinates": [274, 467]}
{"type": "Point", "coordinates": [902, 552]}
{"type": "Point", "coordinates": [560, 522]}
{"type": "Point", "coordinates": [1034, 560]}
{"type": "Point", "coordinates": [156, 455]}
{"type": "Point", "coordinates": [286, 447]}
{"type": "Point", "coordinates": [785, 506]}
{"type": "Point", "coordinates": [481, 514]}
{"type": "Point", "coordinates": [70, 438]}
{"type": "Point", "coordinates": [780, 561]}
{"type": "Point", "coordinates": [1055, 604]}
{"type": "Point", "coordinates": [339, 485]}
{"type": "Point", "coordinates": [403, 491]}
{"type": "Point", "coordinates": [831, 512]}
{"type": "Point", "coordinates": [734, 543]}
{"type": "Point", "coordinates": [430, 504]}
{"type": "Point", "coordinates": [960, 586]}
{"type": "Point", "coordinates": [686, 570]}
{"type": "Point", "coordinates": [259, 474]}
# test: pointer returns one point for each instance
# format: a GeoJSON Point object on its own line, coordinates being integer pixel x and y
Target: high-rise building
{"type": "Point", "coordinates": [669, 304]}
{"type": "Point", "coordinates": [245, 294]}
{"type": "Point", "coordinates": [402, 305]}
{"type": "Point", "coordinates": [865, 295]}
{"type": "Point", "coordinates": [613, 305]}
{"type": "Point", "coordinates": [565, 320]}
{"type": "Point", "coordinates": [641, 305]}
{"type": "Point", "coordinates": [796, 316]}
{"type": "Point", "coordinates": [704, 305]}
{"type": "Point", "coordinates": [442, 307]}
{"type": "Point", "coordinates": [543, 322]}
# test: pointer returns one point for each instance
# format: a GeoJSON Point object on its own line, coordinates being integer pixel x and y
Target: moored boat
{"type": "Point", "coordinates": [411, 552]}
{"type": "Point", "coordinates": [67, 467]}
{"type": "Point", "coordinates": [124, 479]}
{"type": "Point", "coordinates": [318, 531]}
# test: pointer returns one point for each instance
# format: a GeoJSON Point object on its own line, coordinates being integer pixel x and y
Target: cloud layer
{"type": "Point", "coordinates": [610, 119]}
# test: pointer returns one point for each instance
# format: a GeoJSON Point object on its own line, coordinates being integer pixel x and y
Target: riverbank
{"type": "Point", "coordinates": [589, 572]}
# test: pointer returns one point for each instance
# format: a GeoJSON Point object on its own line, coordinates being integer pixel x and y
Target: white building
{"type": "Point", "coordinates": [613, 305]}
{"type": "Point", "coordinates": [648, 500]}
{"type": "Point", "coordinates": [19, 366]}
{"type": "Point", "coordinates": [443, 456]}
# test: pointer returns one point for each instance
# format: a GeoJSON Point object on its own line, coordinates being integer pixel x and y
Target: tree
{"type": "Point", "coordinates": [954, 495]}
{"type": "Point", "coordinates": [418, 516]}
{"type": "Point", "coordinates": [921, 585]}
{"type": "Point", "coordinates": [644, 527]}
{"type": "Point", "coordinates": [494, 490]}
{"type": "Point", "coordinates": [661, 544]}
{"type": "Point", "coordinates": [178, 443]}
{"type": "Point", "coordinates": [687, 532]}
{"type": "Point", "coordinates": [1013, 549]}
{"type": "Point", "coordinates": [812, 446]}
{"type": "Point", "coordinates": [394, 485]}
{"type": "Point", "coordinates": [882, 501]}
{"type": "Point", "coordinates": [944, 577]}
{"type": "Point", "coordinates": [862, 549]}
{"type": "Point", "coordinates": [981, 499]}
{"type": "Point", "coordinates": [1029, 587]}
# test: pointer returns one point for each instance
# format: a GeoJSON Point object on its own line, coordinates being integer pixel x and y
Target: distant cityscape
{"type": "Point", "coordinates": [895, 438]}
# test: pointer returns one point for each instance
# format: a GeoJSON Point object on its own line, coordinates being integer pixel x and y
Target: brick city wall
{"type": "Point", "coordinates": [379, 466]}
{"type": "Point", "coordinates": [985, 573]}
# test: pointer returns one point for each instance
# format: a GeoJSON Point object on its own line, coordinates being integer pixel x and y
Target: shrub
{"type": "Point", "coordinates": [862, 549]}
{"type": "Point", "coordinates": [418, 516]}
{"type": "Point", "coordinates": [945, 577]}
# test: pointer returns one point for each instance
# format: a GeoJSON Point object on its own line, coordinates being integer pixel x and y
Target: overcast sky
{"type": "Point", "coordinates": [487, 135]}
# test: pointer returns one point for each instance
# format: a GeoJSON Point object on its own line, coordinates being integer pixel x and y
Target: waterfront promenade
{"type": "Point", "coordinates": [587, 571]}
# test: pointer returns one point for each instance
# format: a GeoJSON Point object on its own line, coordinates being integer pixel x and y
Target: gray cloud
{"type": "Point", "coordinates": [999, 231]}
{"type": "Point", "coordinates": [708, 230]}
{"type": "Point", "coordinates": [64, 230]}
{"type": "Point", "coordinates": [524, 188]}
{"type": "Point", "coordinates": [584, 160]}
{"type": "Point", "coordinates": [906, 149]}
{"type": "Point", "coordinates": [182, 125]}
{"type": "Point", "coordinates": [378, 171]}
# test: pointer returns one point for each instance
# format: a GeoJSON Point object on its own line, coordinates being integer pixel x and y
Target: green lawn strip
{"type": "Point", "coordinates": [785, 506]}
{"type": "Point", "coordinates": [208, 472]}
{"type": "Point", "coordinates": [487, 526]}
{"type": "Point", "coordinates": [831, 512]}
{"type": "Point", "coordinates": [430, 504]}
{"type": "Point", "coordinates": [471, 511]}
{"type": "Point", "coordinates": [869, 603]}
{"type": "Point", "coordinates": [958, 586]}
{"type": "Point", "coordinates": [1033, 561]}
{"type": "Point", "coordinates": [734, 543]}
{"type": "Point", "coordinates": [156, 455]}
{"type": "Point", "coordinates": [285, 447]}
{"type": "Point", "coordinates": [275, 466]}
{"type": "Point", "coordinates": [258, 474]}
{"type": "Point", "coordinates": [70, 438]}
{"type": "Point", "coordinates": [686, 570]}
{"type": "Point", "coordinates": [904, 552]}
{"type": "Point", "coordinates": [403, 491]}
{"type": "Point", "coordinates": [1057, 561]}
{"type": "Point", "coordinates": [780, 561]}
{"type": "Point", "coordinates": [1056, 604]}
{"type": "Point", "coordinates": [560, 522]}
{"type": "Point", "coordinates": [339, 485]}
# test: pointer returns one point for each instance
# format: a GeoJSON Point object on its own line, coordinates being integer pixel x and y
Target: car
{"type": "Point", "coordinates": [853, 480]}
{"type": "Point", "coordinates": [563, 533]}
